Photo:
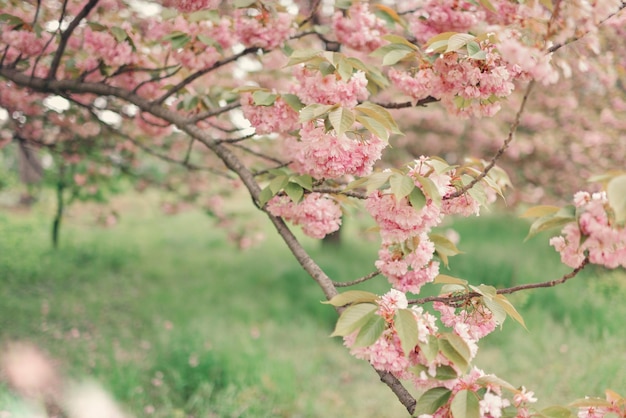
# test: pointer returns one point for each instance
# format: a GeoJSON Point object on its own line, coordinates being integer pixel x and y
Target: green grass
{"type": "Point", "coordinates": [169, 316]}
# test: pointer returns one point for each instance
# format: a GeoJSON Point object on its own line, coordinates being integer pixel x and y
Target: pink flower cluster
{"type": "Point", "coordinates": [438, 16]}
{"type": "Point", "coordinates": [326, 155]}
{"type": "Point", "coordinates": [318, 214]}
{"type": "Point", "coordinates": [470, 324]}
{"type": "Point", "coordinates": [405, 257]}
{"type": "Point", "coordinates": [24, 43]}
{"type": "Point", "coordinates": [533, 63]}
{"type": "Point", "coordinates": [397, 219]}
{"type": "Point", "coordinates": [361, 30]}
{"type": "Point", "coordinates": [408, 271]}
{"type": "Point", "coordinates": [387, 353]}
{"type": "Point", "coordinates": [262, 29]}
{"type": "Point", "coordinates": [594, 234]}
{"type": "Point", "coordinates": [279, 117]}
{"type": "Point", "coordinates": [466, 86]}
{"type": "Point", "coordinates": [313, 87]}
{"type": "Point", "coordinates": [102, 45]}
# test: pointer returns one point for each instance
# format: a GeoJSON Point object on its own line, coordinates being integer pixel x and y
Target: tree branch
{"type": "Point", "coordinates": [357, 281]}
{"type": "Point", "coordinates": [505, 291]}
{"type": "Point", "coordinates": [500, 152]}
{"type": "Point", "coordinates": [65, 36]}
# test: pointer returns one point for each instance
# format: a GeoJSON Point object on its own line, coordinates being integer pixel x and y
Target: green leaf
{"type": "Point", "coordinates": [510, 309]}
{"type": "Point", "coordinates": [458, 41]}
{"type": "Point", "coordinates": [487, 5]}
{"type": "Point", "coordinates": [465, 405]}
{"type": "Point", "coordinates": [401, 185]}
{"type": "Point", "coordinates": [377, 180]}
{"type": "Point", "coordinates": [119, 33]}
{"type": "Point", "coordinates": [304, 180]}
{"type": "Point", "coordinates": [204, 15]}
{"type": "Point", "coordinates": [561, 218]}
{"type": "Point", "coordinates": [430, 350]}
{"type": "Point", "coordinates": [396, 39]}
{"type": "Point", "coordinates": [352, 297]}
{"type": "Point", "coordinates": [393, 57]}
{"type": "Point", "coordinates": [243, 3]}
{"type": "Point", "coordinates": [356, 184]}
{"type": "Point", "coordinates": [373, 126]}
{"type": "Point", "coordinates": [556, 412]}
{"type": "Point", "coordinates": [300, 56]}
{"type": "Point", "coordinates": [345, 69]}
{"type": "Point", "coordinates": [540, 211]}
{"type": "Point", "coordinates": [616, 193]}
{"type": "Point", "coordinates": [406, 326]}
{"type": "Point", "coordinates": [456, 350]}
{"type": "Point", "coordinates": [430, 189]}
{"type": "Point", "coordinates": [293, 101]}
{"type": "Point", "coordinates": [342, 120]}
{"type": "Point", "coordinates": [438, 43]}
{"type": "Point", "coordinates": [499, 314]}
{"type": "Point", "coordinates": [278, 183]}
{"type": "Point", "coordinates": [314, 111]}
{"type": "Point", "coordinates": [11, 20]}
{"type": "Point", "coordinates": [444, 247]}
{"type": "Point", "coordinates": [370, 332]}
{"type": "Point", "coordinates": [353, 318]}
{"type": "Point", "coordinates": [446, 373]}
{"type": "Point", "coordinates": [431, 401]}
{"type": "Point", "coordinates": [493, 380]}
{"type": "Point", "coordinates": [264, 98]}
{"type": "Point", "coordinates": [444, 279]}
{"type": "Point", "coordinates": [294, 191]}
{"type": "Point", "coordinates": [265, 195]}
{"type": "Point", "coordinates": [417, 198]}
{"type": "Point", "coordinates": [590, 403]}
{"type": "Point", "coordinates": [380, 114]}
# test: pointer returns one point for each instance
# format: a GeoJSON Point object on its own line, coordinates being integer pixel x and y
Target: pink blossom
{"type": "Point", "coordinates": [438, 16]}
{"type": "Point", "coordinates": [491, 405]}
{"type": "Point", "coordinates": [397, 219]}
{"type": "Point", "coordinates": [524, 397]}
{"type": "Point", "coordinates": [261, 29]}
{"type": "Point", "coordinates": [313, 87]}
{"type": "Point", "coordinates": [103, 45]}
{"type": "Point", "coordinates": [318, 214]}
{"type": "Point", "coordinates": [604, 243]}
{"type": "Point", "coordinates": [361, 29]}
{"type": "Point", "coordinates": [389, 304]}
{"type": "Point", "coordinates": [279, 117]}
{"type": "Point", "coordinates": [325, 155]}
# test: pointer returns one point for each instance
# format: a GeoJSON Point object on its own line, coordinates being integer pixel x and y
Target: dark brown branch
{"type": "Point", "coordinates": [399, 390]}
{"type": "Point", "coordinates": [65, 36]}
{"type": "Point", "coordinates": [314, 6]}
{"type": "Point", "coordinates": [331, 190]}
{"type": "Point", "coordinates": [357, 281]}
{"type": "Point", "coordinates": [202, 72]}
{"type": "Point", "coordinates": [213, 113]}
{"type": "Point", "coordinates": [404, 105]}
{"type": "Point", "coordinates": [505, 291]}
{"type": "Point", "coordinates": [500, 152]}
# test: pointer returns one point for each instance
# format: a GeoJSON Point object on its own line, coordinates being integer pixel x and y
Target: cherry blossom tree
{"type": "Point", "coordinates": [298, 104]}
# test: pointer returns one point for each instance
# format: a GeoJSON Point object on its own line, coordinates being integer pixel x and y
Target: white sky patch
{"type": "Point", "coordinates": [146, 8]}
{"type": "Point", "coordinates": [56, 103]}
{"type": "Point", "coordinates": [4, 115]}
{"type": "Point", "coordinates": [109, 117]}
{"type": "Point", "coordinates": [236, 116]}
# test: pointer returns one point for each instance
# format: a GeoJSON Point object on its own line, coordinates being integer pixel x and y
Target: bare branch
{"type": "Point", "coordinates": [404, 105]}
{"type": "Point", "coordinates": [500, 152]}
{"type": "Point", "coordinates": [505, 291]}
{"type": "Point", "coordinates": [256, 153]}
{"type": "Point", "coordinates": [357, 281]}
{"type": "Point", "coordinates": [331, 190]}
{"type": "Point", "coordinates": [200, 73]}
{"type": "Point", "coordinates": [65, 36]}
{"type": "Point", "coordinates": [213, 113]}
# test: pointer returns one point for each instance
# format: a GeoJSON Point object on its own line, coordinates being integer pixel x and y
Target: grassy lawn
{"type": "Point", "coordinates": [174, 321]}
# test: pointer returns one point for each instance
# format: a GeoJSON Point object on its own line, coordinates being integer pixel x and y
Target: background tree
{"type": "Point", "coordinates": [319, 85]}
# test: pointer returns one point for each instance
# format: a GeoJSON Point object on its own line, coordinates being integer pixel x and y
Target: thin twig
{"type": "Point", "coordinates": [213, 113]}
{"type": "Point", "coordinates": [65, 36]}
{"type": "Point", "coordinates": [202, 72]}
{"type": "Point", "coordinates": [255, 153]}
{"type": "Point", "coordinates": [500, 152]}
{"type": "Point", "coordinates": [357, 281]}
{"type": "Point", "coordinates": [505, 291]}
